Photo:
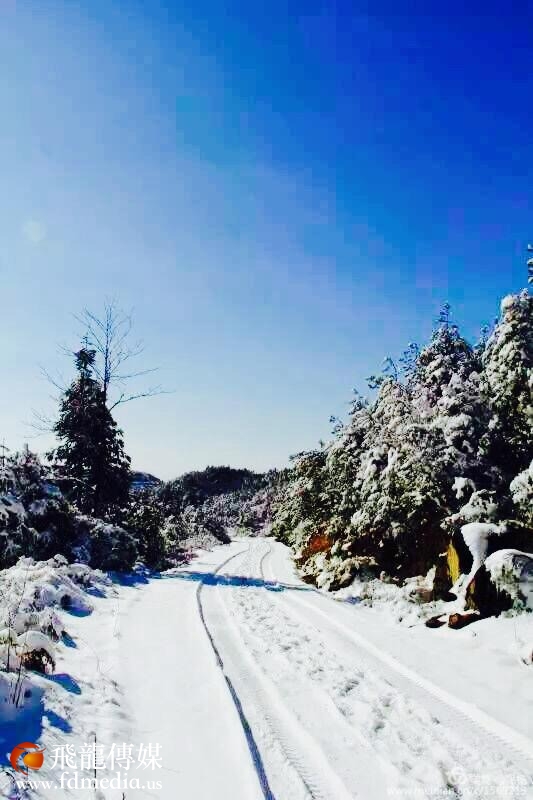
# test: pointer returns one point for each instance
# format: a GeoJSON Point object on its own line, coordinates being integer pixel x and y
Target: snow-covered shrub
{"type": "Point", "coordinates": [31, 592]}
{"type": "Point", "coordinates": [522, 494]}
{"type": "Point", "coordinates": [145, 520]}
{"type": "Point", "coordinates": [54, 521]}
{"type": "Point", "coordinates": [216, 514]}
{"type": "Point", "coordinates": [35, 519]}
{"type": "Point", "coordinates": [111, 547]}
{"type": "Point", "coordinates": [198, 529]}
{"type": "Point", "coordinates": [305, 499]}
{"type": "Point", "coordinates": [334, 572]}
{"type": "Point", "coordinates": [28, 470]}
{"type": "Point", "coordinates": [481, 506]}
{"type": "Point", "coordinates": [16, 537]}
{"type": "Point", "coordinates": [255, 514]}
{"type": "Point", "coordinates": [12, 512]}
{"type": "Point", "coordinates": [512, 571]}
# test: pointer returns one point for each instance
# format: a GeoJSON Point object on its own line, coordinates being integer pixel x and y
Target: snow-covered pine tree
{"type": "Point", "coordinates": [397, 516]}
{"type": "Point", "coordinates": [343, 460]}
{"type": "Point", "coordinates": [446, 395]}
{"type": "Point", "coordinates": [440, 444]}
{"type": "Point", "coordinates": [446, 354]}
{"type": "Point", "coordinates": [91, 451]}
{"type": "Point", "coordinates": [507, 386]}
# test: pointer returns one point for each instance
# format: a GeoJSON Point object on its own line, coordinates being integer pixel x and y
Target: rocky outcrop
{"type": "Point", "coordinates": [503, 582]}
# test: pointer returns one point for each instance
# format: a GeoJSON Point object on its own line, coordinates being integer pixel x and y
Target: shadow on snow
{"type": "Point", "coordinates": [216, 579]}
{"type": "Point", "coordinates": [64, 680]}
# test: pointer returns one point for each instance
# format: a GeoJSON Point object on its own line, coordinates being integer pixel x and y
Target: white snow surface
{"type": "Point", "coordinates": [256, 685]}
{"type": "Point", "coordinates": [476, 536]}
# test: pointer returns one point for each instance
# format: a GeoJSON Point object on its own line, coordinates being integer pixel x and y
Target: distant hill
{"type": "Point", "coordinates": [144, 481]}
{"type": "Point", "coordinates": [194, 488]}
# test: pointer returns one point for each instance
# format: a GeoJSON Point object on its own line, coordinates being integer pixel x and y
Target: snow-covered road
{"type": "Point", "coordinates": [258, 686]}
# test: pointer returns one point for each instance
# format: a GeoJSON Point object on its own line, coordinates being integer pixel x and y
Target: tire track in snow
{"type": "Point", "coordinates": [307, 781]}
{"type": "Point", "coordinates": [250, 740]}
{"type": "Point", "coordinates": [299, 747]}
{"type": "Point", "coordinates": [498, 733]}
{"type": "Point", "coordinates": [360, 748]}
{"type": "Point", "coordinates": [491, 726]}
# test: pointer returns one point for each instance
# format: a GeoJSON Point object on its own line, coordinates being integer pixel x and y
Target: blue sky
{"type": "Point", "coordinates": [282, 193]}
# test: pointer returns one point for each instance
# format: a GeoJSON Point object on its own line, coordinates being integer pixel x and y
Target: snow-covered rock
{"type": "Point", "coordinates": [512, 571]}
{"type": "Point", "coordinates": [504, 582]}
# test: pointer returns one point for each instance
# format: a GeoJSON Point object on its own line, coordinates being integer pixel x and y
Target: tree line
{"type": "Point", "coordinates": [447, 440]}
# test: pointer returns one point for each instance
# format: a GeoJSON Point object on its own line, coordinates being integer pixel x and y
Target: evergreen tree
{"type": "Point", "coordinates": [388, 490]}
{"type": "Point", "coordinates": [304, 504]}
{"type": "Point", "coordinates": [507, 386]}
{"type": "Point", "coordinates": [401, 499]}
{"type": "Point", "coordinates": [446, 395]}
{"type": "Point", "coordinates": [446, 355]}
{"type": "Point", "coordinates": [91, 453]}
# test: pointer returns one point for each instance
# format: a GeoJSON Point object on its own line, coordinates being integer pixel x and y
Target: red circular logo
{"type": "Point", "coordinates": [26, 754]}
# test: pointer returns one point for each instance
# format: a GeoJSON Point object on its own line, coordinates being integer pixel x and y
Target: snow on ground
{"type": "Point", "coordinates": [175, 694]}
{"type": "Point", "coordinates": [410, 704]}
{"type": "Point", "coordinates": [79, 697]}
{"type": "Point", "coordinates": [255, 685]}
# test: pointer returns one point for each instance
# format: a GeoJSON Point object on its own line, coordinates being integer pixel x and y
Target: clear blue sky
{"type": "Point", "coordinates": [283, 193]}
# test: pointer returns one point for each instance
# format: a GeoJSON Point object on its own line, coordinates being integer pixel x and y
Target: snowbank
{"type": "Point", "coordinates": [31, 593]}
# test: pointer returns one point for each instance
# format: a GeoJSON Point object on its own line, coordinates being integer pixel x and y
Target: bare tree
{"type": "Point", "coordinates": [111, 337]}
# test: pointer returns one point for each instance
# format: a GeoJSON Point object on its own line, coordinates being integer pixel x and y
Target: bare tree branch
{"type": "Point", "coordinates": [124, 398]}
{"type": "Point", "coordinates": [110, 336]}
{"type": "Point", "coordinates": [41, 423]}
{"type": "Point", "coordinates": [54, 381]}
